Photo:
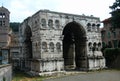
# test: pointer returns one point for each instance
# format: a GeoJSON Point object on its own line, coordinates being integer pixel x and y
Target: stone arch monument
{"type": "Point", "coordinates": [54, 42]}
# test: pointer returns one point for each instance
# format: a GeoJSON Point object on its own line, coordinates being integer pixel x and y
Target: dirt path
{"type": "Point", "coordinates": [91, 76]}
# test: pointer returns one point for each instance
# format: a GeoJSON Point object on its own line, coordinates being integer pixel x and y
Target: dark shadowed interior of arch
{"type": "Point", "coordinates": [28, 42]}
{"type": "Point", "coordinates": [74, 45]}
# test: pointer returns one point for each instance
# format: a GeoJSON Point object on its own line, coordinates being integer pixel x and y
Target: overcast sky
{"type": "Point", "coordinates": [21, 9]}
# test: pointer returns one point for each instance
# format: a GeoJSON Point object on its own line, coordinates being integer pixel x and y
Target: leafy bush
{"type": "Point", "coordinates": [110, 55]}
{"type": "Point", "coordinates": [4, 79]}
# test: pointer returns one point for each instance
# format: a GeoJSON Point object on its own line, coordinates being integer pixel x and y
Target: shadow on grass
{"type": "Point", "coordinates": [22, 76]}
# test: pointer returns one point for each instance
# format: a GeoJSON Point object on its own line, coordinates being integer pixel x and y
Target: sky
{"type": "Point", "coordinates": [21, 9]}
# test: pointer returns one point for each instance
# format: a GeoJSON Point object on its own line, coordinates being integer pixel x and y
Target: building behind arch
{"type": "Point", "coordinates": [5, 66]}
{"type": "Point", "coordinates": [54, 42]}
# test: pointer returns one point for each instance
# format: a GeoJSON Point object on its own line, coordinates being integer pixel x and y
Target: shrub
{"type": "Point", "coordinates": [4, 79]}
{"type": "Point", "coordinates": [110, 55]}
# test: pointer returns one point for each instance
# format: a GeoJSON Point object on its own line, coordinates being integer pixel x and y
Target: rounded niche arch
{"type": "Point", "coordinates": [51, 46]}
{"type": "Point", "coordinates": [44, 46]}
{"type": "Point", "coordinates": [74, 44]}
{"type": "Point", "coordinates": [50, 23]}
{"type": "Point", "coordinates": [43, 22]}
{"type": "Point", "coordinates": [88, 27]}
{"type": "Point", "coordinates": [99, 46]}
{"type": "Point", "coordinates": [93, 27]}
{"type": "Point", "coordinates": [90, 46]}
{"type": "Point", "coordinates": [57, 24]}
{"type": "Point", "coordinates": [58, 47]}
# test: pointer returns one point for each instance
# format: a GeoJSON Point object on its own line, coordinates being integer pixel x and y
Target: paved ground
{"type": "Point", "coordinates": [91, 76]}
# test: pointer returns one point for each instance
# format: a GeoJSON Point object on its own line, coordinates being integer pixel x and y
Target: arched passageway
{"type": "Point", "coordinates": [28, 43]}
{"type": "Point", "coordinates": [74, 46]}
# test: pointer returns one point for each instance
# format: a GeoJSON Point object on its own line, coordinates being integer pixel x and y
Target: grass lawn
{"type": "Point", "coordinates": [20, 76]}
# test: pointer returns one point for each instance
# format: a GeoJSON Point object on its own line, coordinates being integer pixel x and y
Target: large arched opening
{"type": "Point", "coordinates": [74, 46]}
{"type": "Point", "coordinates": [28, 43]}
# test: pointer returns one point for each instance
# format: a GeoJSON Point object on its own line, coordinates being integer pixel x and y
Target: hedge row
{"type": "Point", "coordinates": [111, 51]}
{"type": "Point", "coordinates": [111, 55]}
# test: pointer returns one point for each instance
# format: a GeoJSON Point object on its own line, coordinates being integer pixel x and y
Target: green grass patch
{"type": "Point", "coordinates": [21, 76]}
